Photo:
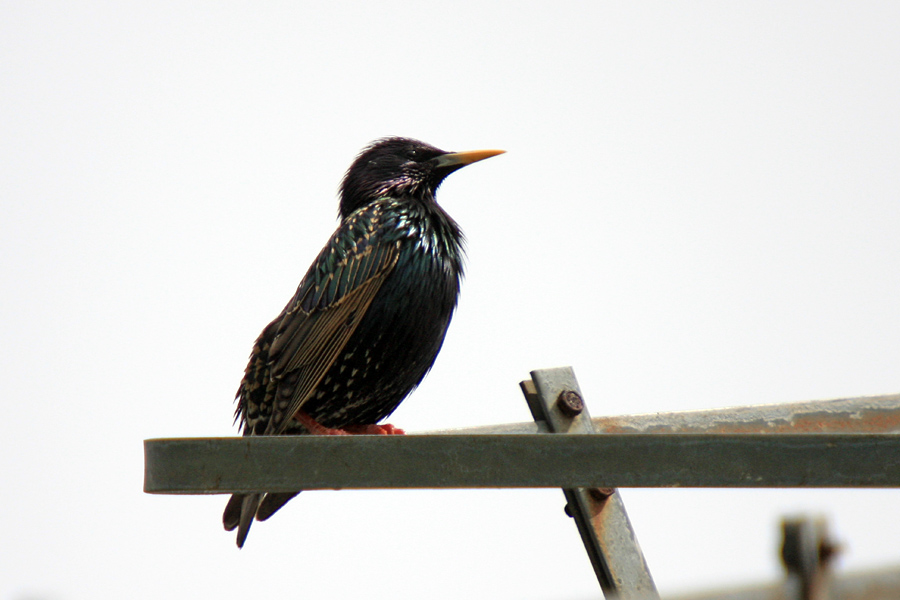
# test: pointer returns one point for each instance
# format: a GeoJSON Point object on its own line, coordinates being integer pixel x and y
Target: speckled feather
{"type": "Point", "coordinates": [327, 352]}
{"type": "Point", "coordinates": [368, 318]}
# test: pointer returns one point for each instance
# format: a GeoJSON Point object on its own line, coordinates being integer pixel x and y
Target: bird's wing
{"type": "Point", "coordinates": [320, 319]}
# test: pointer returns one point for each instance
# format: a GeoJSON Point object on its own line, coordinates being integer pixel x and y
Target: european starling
{"type": "Point", "coordinates": [370, 315]}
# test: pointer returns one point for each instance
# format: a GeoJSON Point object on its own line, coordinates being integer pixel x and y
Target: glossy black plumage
{"type": "Point", "coordinates": [370, 315]}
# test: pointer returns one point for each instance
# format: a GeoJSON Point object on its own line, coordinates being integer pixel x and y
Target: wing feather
{"type": "Point", "coordinates": [319, 321]}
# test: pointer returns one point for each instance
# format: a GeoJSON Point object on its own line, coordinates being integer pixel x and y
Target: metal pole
{"type": "Point", "coordinates": [555, 398]}
{"type": "Point", "coordinates": [807, 552]}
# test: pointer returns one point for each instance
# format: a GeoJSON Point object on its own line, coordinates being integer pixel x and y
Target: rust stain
{"type": "Point", "coordinates": [861, 421]}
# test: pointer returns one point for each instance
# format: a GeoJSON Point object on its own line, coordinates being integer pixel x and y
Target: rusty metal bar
{"type": "Point", "coordinates": [555, 398]}
{"type": "Point", "coordinates": [867, 414]}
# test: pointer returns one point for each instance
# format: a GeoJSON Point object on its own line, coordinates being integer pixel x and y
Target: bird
{"type": "Point", "coordinates": [369, 317]}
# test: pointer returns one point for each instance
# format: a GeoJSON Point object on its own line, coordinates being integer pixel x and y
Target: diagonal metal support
{"type": "Point", "coordinates": [554, 397]}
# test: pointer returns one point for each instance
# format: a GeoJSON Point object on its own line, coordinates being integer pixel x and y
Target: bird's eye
{"type": "Point", "coordinates": [412, 154]}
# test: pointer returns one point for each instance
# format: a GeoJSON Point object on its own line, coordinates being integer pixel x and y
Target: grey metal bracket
{"type": "Point", "coordinates": [554, 397]}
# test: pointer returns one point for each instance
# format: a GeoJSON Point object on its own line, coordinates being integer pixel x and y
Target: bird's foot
{"type": "Point", "coordinates": [316, 428]}
{"type": "Point", "coordinates": [385, 429]}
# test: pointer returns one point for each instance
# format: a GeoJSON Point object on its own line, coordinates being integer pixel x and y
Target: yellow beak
{"type": "Point", "coordinates": [461, 159]}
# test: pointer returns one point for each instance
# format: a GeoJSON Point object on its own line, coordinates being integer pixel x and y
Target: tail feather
{"type": "Point", "coordinates": [232, 515]}
{"type": "Point", "coordinates": [241, 509]}
{"type": "Point", "coordinates": [248, 511]}
{"type": "Point", "coordinates": [272, 502]}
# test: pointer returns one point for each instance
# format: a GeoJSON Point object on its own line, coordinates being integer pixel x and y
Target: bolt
{"type": "Point", "coordinates": [570, 403]}
{"type": "Point", "coordinates": [827, 551]}
{"type": "Point", "coordinates": [601, 494]}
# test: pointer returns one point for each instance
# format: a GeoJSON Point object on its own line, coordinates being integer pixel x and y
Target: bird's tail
{"type": "Point", "coordinates": [241, 509]}
{"type": "Point", "coordinates": [239, 513]}
{"type": "Point", "coordinates": [272, 502]}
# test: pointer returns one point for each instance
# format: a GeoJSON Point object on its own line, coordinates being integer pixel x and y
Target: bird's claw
{"type": "Point", "coordinates": [315, 428]}
{"type": "Point", "coordinates": [385, 429]}
{"type": "Point", "coordinates": [388, 429]}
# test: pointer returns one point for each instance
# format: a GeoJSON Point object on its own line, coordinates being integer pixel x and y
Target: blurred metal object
{"type": "Point", "coordinates": [880, 584]}
{"type": "Point", "coordinates": [554, 398]}
{"type": "Point", "coordinates": [807, 552]}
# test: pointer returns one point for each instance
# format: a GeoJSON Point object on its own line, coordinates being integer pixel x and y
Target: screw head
{"type": "Point", "coordinates": [601, 494]}
{"type": "Point", "coordinates": [570, 403]}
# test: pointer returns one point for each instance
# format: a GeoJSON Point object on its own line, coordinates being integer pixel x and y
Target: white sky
{"type": "Point", "coordinates": [699, 207]}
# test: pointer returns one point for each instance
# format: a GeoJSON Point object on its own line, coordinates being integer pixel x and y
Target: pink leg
{"type": "Point", "coordinates": [385, 429]}
{"type": "Point", "coordinates": [313, 426]}
{"type": "Point", "coordinates": [317, 429]}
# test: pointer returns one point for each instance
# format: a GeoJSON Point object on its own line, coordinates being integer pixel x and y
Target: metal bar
{"type": "Point", "coordinates": [873, 414]}
{"type": "Point", "coordinates": [555, 398]}
{"type": "Point", "coordinates": [867, 414]}
{"type": "Point", "coordinates": [873, 585]}
{"type": "Point", "coordinates": [881, 584]}
{"type": "Point", "coordinates": [284, 463]}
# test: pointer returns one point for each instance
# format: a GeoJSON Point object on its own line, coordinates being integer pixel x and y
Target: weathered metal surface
{"type": "Point", "coordinates": [874, 585]}
{"type": "Point", "coordinates": [881, 584]}
{"type": "Point", "coordinates": [284, 463]}
{"type": "Point", "coordinates": [609, 539]}
{"type": "Point", "coordinates": [874, 414]}
{"type": "Point", "coordinates": [868, 414]}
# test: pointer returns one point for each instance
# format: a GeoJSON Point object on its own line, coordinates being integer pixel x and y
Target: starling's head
{"type": "Point", "coordinates": [400, 167]}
